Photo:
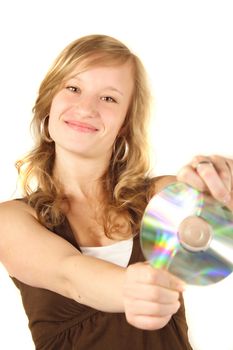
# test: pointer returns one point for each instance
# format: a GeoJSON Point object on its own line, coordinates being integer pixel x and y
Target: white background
{"type": "Point", "coordinates": [186, 47]}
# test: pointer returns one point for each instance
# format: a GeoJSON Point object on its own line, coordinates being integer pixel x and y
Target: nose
{"type": "Point", "coordinates": [86, 106]}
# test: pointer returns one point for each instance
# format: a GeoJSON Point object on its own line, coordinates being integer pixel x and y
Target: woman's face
{"type": "Point", "coordinates": [86, 115]}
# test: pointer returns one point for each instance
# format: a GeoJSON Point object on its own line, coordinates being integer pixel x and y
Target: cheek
{"type": "Point", "coordinates": [55, 107]}
{"type": "Point", "coordinates": [59, 103]}
{"type": "Point", "coordinates": [121, 119]}
{"type": "Point", "coordinates": [114, 115]}
{"type": "Point", "coordinates": [113, 121]}
{"type": "Point", "coordinates": [115, 126]}
{"type": "Point", "coordinates": [54, 113]}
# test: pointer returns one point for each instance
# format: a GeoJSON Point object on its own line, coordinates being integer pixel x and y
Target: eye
{"type": "Point", "coordinates": [108, 99]}
{"type": "Point", "coordinates": [73, 89]}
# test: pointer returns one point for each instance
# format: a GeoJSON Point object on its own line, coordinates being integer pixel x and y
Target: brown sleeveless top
{"type": "Point", "coordinates": [60, 323]}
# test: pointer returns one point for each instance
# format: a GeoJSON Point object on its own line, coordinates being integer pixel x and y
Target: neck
{"type": "Point", "coordinates": [80, 177]}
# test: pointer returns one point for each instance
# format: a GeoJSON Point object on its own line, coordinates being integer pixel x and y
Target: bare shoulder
{"type": "Point", "coordinates": [163, 181]}
{"type": "Point", "coordinates": [18, 221]}
{"type": "Point", "coordinates": [28, 250]}
{"type": "Point", "coordinates": [15, 207]}
{"type": "Point", "coordinates": [14, 215]}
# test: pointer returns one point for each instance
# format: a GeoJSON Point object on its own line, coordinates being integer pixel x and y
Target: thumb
{"type": "Point", "coordinates": [167, 280]}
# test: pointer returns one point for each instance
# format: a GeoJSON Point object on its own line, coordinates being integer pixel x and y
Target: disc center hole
{"type": "Point", "coordinates": [194, 233]}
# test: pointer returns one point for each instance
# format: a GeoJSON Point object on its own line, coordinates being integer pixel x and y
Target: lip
{"type": "Point", "coordinates": [85, 127]}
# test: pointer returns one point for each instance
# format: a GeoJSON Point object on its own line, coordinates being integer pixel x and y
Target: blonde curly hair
{"type": "Point", "coordinates": [126, 182]}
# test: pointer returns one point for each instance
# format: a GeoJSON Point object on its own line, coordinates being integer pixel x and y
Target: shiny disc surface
{"type": "Point", "coordinates": [188, 233]}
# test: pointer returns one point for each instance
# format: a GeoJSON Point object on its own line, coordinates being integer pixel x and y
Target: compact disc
{"type": "Point", "coordinates": [188, 233]}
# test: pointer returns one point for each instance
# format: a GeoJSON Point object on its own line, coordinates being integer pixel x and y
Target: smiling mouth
{"type": "Point", "coordinates": [83, 127]}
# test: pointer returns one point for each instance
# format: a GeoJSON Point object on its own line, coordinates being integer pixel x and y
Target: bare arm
{"type": "Point", "coordinates": [40, 258]}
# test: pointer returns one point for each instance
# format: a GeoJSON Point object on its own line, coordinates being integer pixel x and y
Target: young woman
{"type": "Point", "coordinates": [71, 244]}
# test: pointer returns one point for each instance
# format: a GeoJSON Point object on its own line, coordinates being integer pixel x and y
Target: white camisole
{"type": "Point", "coordinates": [118, 253]}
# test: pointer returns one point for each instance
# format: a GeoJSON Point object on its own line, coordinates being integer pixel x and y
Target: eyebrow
{"type": "Point", "coordinates": [112, 88]}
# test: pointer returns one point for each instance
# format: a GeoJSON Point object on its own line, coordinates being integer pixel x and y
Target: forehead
{"type": "Point", "coordinates": [106, 68]}
{"type": "Point", "coordinates": [120, 75]}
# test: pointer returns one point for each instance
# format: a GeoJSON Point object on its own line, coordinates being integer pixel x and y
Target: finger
{"type": "Point", "coordinates": [229, 164]}
{"type": "Point", "coordinates": [224, 170]}
{"type": "Point", "coordinates": [146, 308]}
{"type": "Point", "coordinates": [151, 293]}
{"type": "Point", "coordinates": [148, 322]}
{"type": "Point", "coordinates": [188, 175]}
{"type": "Point", "coordinates": [146, 274]}
{"type": "Point", "coordinates": [223, 167]}
{"type": "Point", "coordinates": [216, 184]}
{"type": "Point", "coordinates": [164, 279]}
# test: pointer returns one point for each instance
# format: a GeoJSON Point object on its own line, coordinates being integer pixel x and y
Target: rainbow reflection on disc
{"type": "Point", "coordinates": [188, 233]}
